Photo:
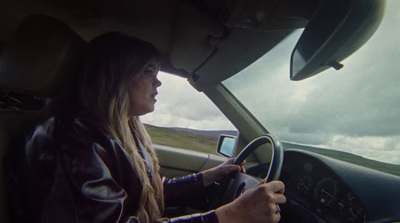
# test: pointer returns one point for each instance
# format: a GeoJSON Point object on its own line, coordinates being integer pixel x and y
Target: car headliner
{"type": "Point", "coordinates": [208, 41]}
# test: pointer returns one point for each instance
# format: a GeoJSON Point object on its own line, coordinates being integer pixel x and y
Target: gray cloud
{"type": "Point", "coordinates": [180, 105]}
{"type": "Point", "coordinates": [354, 109]}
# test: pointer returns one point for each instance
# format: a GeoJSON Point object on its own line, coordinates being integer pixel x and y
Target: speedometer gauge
{"type": "Point", "coordinates": [326, 191]}
{"type": "Point", "coordinates": [350, 208]}
{"type": "Point", "coordinates": [304, 185]}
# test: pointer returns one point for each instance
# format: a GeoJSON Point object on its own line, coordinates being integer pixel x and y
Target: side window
{"type": "Point", "coordinates": [185, 118]}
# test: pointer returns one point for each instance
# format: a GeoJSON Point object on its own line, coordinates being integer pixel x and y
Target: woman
{"type": "Point", "coordinates": [92, 159]}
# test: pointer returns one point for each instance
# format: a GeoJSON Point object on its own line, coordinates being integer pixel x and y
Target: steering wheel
{"type": "Point", "coordinates": [232, 186]}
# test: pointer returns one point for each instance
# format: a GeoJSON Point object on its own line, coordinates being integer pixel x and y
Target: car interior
{"type": "Point", "coordinates": [42, 48]}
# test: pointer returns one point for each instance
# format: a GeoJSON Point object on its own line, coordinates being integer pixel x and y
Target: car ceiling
{"type": "Point", "coordinates": [208, 41]}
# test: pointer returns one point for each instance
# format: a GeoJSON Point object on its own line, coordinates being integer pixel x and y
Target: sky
{"type": "Point", "coordinates": [355, 109]}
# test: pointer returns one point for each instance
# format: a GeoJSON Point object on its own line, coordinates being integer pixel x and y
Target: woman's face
{"type": "Point", "coordinates": [143, 90]}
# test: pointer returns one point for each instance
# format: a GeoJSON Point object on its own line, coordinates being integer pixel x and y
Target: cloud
{"type": "Point", "coordinates": [355, 109]}
{"type": "Point", "coordinates": [386, 149]}
{"type": "Point", "coordinates": [180, 105]}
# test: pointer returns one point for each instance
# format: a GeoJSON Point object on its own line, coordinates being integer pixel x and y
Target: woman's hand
{"type": "Point", "coordinates": [257, 205]}
{"type": "Point", "coordinates": [217, 173]}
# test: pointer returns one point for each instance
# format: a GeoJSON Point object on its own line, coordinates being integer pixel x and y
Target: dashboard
{"type": "Point", "coordinates": [320, 189]}
{"type": "Point", "coordinates": [315, 193]}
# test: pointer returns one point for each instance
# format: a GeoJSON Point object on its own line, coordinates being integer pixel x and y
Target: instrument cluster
{"type": "Point", "coordinates": [316, 188]}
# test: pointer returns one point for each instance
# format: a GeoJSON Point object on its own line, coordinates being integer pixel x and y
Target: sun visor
{"type": "Point", "coordinates": [191, 45]}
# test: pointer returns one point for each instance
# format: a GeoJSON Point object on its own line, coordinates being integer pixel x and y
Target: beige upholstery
{"type": "Point", "coordinates": [43, 55]}
{"type": "Point", "coordinates": [42, 58]}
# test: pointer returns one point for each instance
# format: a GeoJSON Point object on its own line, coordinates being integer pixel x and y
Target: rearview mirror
{"type": "Point", "coordinates": [226, 145]}
{"type": "Point", "coordinates": [337, 29]}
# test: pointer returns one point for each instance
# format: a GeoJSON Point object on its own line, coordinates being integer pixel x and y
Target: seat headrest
{"type": "Point", "coordinates": [42, 57]}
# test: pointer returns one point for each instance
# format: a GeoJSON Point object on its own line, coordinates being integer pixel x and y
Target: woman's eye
{"type": "Point", "coordinates": [149, 72]}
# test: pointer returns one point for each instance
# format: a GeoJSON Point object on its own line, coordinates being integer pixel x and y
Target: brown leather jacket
{"type": "Point", "coordinates": [71, 172]}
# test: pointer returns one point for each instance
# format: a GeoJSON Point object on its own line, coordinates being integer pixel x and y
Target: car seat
{"type": "Point", "coordinates": [37, 65]}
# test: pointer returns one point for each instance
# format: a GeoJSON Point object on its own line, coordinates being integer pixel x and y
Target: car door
{"type": "Point", "coordinates": [190, 145]}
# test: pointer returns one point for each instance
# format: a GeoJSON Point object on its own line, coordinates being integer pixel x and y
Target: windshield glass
{"type": "Point", "coordinates": [355, 109]}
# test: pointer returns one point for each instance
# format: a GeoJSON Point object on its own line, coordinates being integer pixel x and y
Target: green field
{"type": "Point", "coordinates": [206, 144]}
{"type": "Point", "coordinates": [348, 157]}
{"type": "Point", "coordinates": [182, 139]}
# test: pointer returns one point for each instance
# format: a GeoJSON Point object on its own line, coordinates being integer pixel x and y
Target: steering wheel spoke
{"type": "Point", "coordinates": [236, 184]}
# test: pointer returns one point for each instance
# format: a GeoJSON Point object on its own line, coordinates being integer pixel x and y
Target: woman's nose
{"type": "Point", "coordinates": [157, 83]}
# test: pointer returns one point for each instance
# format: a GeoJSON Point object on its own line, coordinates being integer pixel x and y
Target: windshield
{"type": "Point", "coordinates": [355, 109]}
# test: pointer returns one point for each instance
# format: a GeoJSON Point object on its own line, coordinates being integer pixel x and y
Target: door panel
{"type": "Point", "coordinates": [180, 162]}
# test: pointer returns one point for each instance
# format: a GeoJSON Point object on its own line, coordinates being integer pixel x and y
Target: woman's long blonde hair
{"type": "Point", "coordinates": [113, 61]}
